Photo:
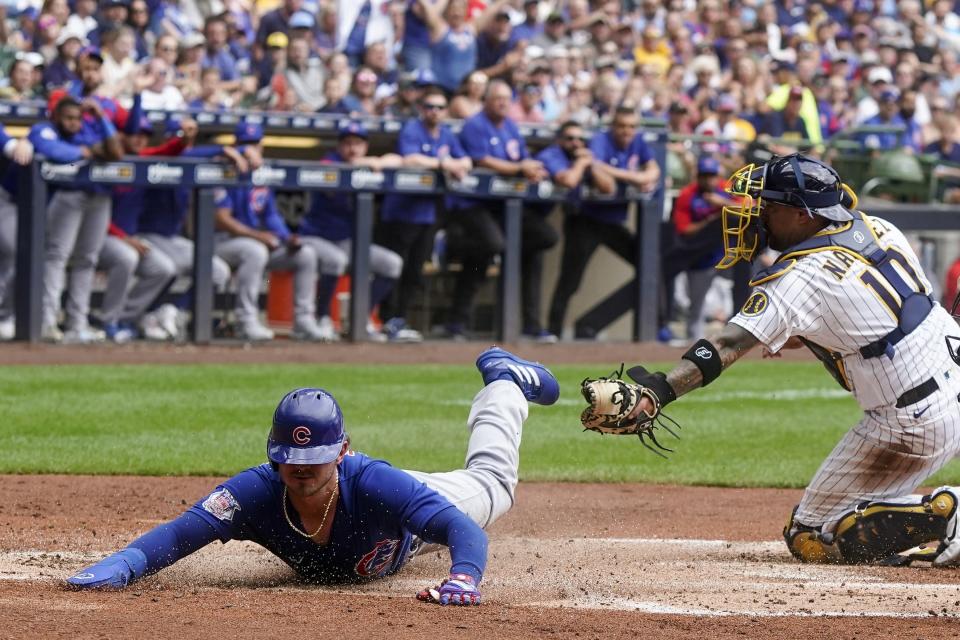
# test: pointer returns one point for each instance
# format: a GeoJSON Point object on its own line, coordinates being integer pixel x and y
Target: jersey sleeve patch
{"type": "Point", "coordinates": [221, 505]}
{"type": "Point", "coordinates": [755, 305]}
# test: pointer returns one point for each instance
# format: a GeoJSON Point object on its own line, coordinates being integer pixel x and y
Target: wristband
{"type": "Point", "coordinates": [706, 357]}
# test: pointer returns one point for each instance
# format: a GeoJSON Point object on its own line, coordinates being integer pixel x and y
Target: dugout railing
{"type": "Point", "coordinates": [201, 176]}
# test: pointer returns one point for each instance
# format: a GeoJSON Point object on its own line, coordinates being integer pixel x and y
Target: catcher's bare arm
{"type": "Point", "coordinates": [732, 343]}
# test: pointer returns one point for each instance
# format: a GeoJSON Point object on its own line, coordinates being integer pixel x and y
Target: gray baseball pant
{"type": "Point", "coordinates": [250, 258]}
{"type": "Point", "coordinates": [180, 251]}
{"type": "Point", "coordinates": [8, 252]}
{"type": "Point", "coordinates": [133, 281]}
{"type": "Point", "coordinates": [77, 224]}
{"type": "Point", "coordinates": [333, 261]}
{"type": "Point", "coordinates": [383, 261]}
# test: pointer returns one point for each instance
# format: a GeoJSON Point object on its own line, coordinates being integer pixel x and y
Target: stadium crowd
{"type": "Point", "coordinates": [731, 75]}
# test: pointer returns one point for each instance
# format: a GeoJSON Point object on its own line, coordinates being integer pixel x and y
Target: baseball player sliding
{"type": "Point", "coordinates": [849, 287]}
{"type": "Point", "coordinates": [335, 515]}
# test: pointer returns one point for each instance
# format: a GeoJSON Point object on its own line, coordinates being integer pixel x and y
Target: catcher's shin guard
{"type": "Point", "coordinates": [807, 544]}
{"type": "Point", "coordinates": [878, 531]}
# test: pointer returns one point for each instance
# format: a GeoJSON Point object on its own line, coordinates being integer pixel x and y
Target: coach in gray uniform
{"type": "Point", "coordinates": [77, 219]}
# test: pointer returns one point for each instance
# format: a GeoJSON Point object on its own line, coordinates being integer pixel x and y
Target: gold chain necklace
{"type": "Point", "coordinates": [323, 521]}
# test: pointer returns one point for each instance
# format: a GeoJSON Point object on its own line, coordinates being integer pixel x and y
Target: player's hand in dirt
{"type": "Point", "coordinates": [113, 572]}
{"type": "Point", "coordinates": [458, 589]}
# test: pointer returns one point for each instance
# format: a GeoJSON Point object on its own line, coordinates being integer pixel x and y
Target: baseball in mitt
{"type": "Point", "coordinates": [611, 401]}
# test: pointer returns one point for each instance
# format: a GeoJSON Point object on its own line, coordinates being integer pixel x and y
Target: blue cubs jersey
{"type": "Point", "coordinates": [254, 207]}
{"type": "Point", "coordinates": [414, 138]}
{"type": "Point", "coordinates": [632, 158]}
{"type": "Point", "coordinates": [555, 160]}
{"type": "Point", "coordinates": [47, 141]}
{"type": "Point", "coordinates": [481, 138]}
{"type": "Point", "coordinates": [379, 511]}
{"type": "Point", "coordinates": [331, 214]}
{"type": "Point", "coordinates": [8, 173]}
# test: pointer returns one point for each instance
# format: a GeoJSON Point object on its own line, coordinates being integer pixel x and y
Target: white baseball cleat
{"type": "Point", "coordinates": [254, 332]}
{"type": "Point", "coordinates": [7, 329]}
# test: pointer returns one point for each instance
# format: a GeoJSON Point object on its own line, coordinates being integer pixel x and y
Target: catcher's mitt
{"type": "Point", "coordinates": [612, 400]}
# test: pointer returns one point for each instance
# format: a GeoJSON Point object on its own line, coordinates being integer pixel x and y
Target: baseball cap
{"type": "Point", "coordinates": [67, 33]}
{"type": "Point", "coordinates": [192, 39]}
{"type": "Point", "coordinates": [33, 58]}
{"type": "Point", "coordinates": [105, 4]}
{"type": "Point", "coordinates": [90, 52]}
{"type": "Point", "coordinates": [555, 18]}
{"type": "Point", "coordinates": [879, 74]}
{"type": "Point", "coordinates": [30, 13]}
{"type": "Point", "coordinates": [604, 62]}
{"type": "Point", "coordinates": [352, 128]}
{"type": "Point", "coordinates": [783, 65]}
{"type": "Point", "coordinates": [708, 166]}
{"type": "Point", "coordinates": [503, 14]}
{"type": "Point", "coordinates": [301, 20]}
{"type": "Point", "coordinates": [278, 40]}
{"type": "Point", "coordinates": [248, 133]}
{"type": "Point", "coordinates": [424, 78]}
{"type": "Point", "coordinates": [889, 95]}
{"type": "Point", "coordinates": [726, 102]}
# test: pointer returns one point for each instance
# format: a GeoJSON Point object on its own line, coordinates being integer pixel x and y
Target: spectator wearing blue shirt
{"type": "Point", "coordinates": [531, 27]}
{"type": "Point", "coordinates": [275, 21]}
{"type": "Point", "coordinates": [475, 232]}
{"type": "Point", "coordinates": [621, 153]}
{"type": "Point", "coordinates": [217, 54]}
{"type": "Point", "coordinates": [889, 116]}
{"type": "Point", "coordinates": [572, 165]}
{"type": "Point", "coordinates": [408, 223]}
{"type": "Point", "coordinates": [416, 35]}
{"type": "Point", "coordinates": [453, 40]}
{"type": "Point", "coordinates": [328, 225]}
{"type": "Point", "coordinates": [20, 151]}
{"type": "Point", "coordinates": [77, 219]}
{"type": "Point", "coordinates": [252, 236]}
{"type": "Point", "coordinates": [497, 51]}
{"type": "Point", "coordinates": [786, 124]}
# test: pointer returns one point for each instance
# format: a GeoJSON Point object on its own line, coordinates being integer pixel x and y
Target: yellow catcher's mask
{"type": "Point", "coordinates": [795, 181]}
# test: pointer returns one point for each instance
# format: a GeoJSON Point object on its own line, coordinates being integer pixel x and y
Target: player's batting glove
{"type": "Point", "coordinates": [113, 572]}
{"type": "Point", "coordinates": [458, 589]}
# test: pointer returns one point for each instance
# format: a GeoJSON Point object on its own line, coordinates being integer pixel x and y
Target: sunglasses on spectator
{"type": "Point", "coordinates": [434, 106]}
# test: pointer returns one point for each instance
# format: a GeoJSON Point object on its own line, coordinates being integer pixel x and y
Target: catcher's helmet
{"type": "Point", "coordinates": [307, 429]}
{"type": "Point", "coordinates": [795, 180]}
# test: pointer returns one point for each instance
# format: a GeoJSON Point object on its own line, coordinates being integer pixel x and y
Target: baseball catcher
{"type": "Point", "coordinates": [849, 287]}
{"type": "Point", "coordinates": [338, 516]}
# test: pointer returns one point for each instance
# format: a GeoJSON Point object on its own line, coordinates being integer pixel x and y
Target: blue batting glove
{"type": "Point", "coordinates": [458, 589]}
{"type": "Point", "coordinates": [113, 572]}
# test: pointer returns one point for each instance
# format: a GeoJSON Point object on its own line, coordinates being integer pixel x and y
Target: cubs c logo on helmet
{"type": "Point", "coordinates": [301, 435]}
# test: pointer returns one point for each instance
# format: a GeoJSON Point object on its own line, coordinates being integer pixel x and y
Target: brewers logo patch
{"type": "Point", "coordinates": [755, 305]}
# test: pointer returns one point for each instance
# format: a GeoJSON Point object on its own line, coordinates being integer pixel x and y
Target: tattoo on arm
{"type": "Point", "coordinates": [733, 342]}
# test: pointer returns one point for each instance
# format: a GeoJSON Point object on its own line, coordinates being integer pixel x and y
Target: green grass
{"type": "Point", "coordinates": [761, 424]}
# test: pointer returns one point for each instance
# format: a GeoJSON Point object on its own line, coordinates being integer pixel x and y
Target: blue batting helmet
{"type": "Point", "coordinates": [307, 429]}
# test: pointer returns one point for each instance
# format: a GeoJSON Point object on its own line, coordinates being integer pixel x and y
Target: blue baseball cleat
{"type": "Point", "coordinates": [535, 380]}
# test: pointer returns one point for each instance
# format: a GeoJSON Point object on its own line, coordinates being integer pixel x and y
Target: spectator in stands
{"type": "Point", "coordinates": [160, 94]}
{"type": "Point", "coordinates": [119, 67]}
{"type": "Point", "coordinates": [498, 52]}
{"type": "Point", "coordinates": [453, 40]}
{"type": "Point", "coordinates": [408, 223]}
{"type": "Point", "coordinates": [786, 125]}
{"type": "Point", "coordinates": [19, 152]}
{"type": "Point", "coordinates": [698, 244]}
{"type": "Point", "coordinates": [913, 136]}
{"type": "Point", "coordinates": [879, 80]}
{"type": "Point", "coordinates": [326, 37]}
{"type": "Point", "coordinates": [334, 97]}
{"type": "Point", "coordinates": [274, 61]}
{"type": "Point", "coordinates": [941, 120]}
{"type": "Point", "coordinates": [113, 15]}
{"type": "Point", "coordinates": [361, 24]}
{"type": "Point", "coordinates": [571, 165]}
{"type": "Point", "coordinates": [253, 237]}
{"type": "Point", "coordinates": [531, 27]}
{"type": "Point", "coordinates": [139, 21]}
{"type": "Point", "coordinates": [579, 104]}
{"type": "Point", "coordinates": [77, 219]}
{"type": "Point", "coordinates": [406, 104]}
{"type": "Point", "coordinates": [836, 112]}
{"type": "Point", "coordinates": [415, 52]}
{"type": "Point", "coordinates": [526, 108]}
{"type": "Point", "coordinates": [469, 99]}
{"type": "Point", "coordinates": [211, 99]}
{"type": "Point", "coordinates": [166, 48]}
{"type": "Point", "coordinates": [168, 19]}
{"type": "Point", "coordinates": [22, 80]}
{"type": "Point", "coordinates": [275, 21]}
{"type": "Point", "coordinates": [554, 33]}
{"type": "Point", "coordinates": [492, 141]}
{"type": "Point", "coordinates": [361, 101]}
{"type": "Point", "coordinates": [889, 116]}
{"type": "Point", "coordinates": [328, 226]}
{"type": "Point", "coordinates": [621, 153]}
{"type": "Point", "coordinates": [82, 19]}
{"type": "Point", "coordinates": [304, 77]}
{"type": "Point", "coordinates": [63, 69]}
{"type": "Point", "coordinates": [217, 53]}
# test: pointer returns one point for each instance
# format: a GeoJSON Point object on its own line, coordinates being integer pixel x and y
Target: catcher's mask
{"type": "Point", "coordinates": [796, 181]}
{"type": "Point", "coordinates": [307, 429]}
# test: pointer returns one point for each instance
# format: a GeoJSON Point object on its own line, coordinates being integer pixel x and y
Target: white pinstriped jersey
{"type": "Point", "coordinates": [842, 304]}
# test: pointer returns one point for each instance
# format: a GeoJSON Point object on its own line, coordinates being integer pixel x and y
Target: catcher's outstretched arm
{"type": "Point", "coordinates": [732, 343]}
